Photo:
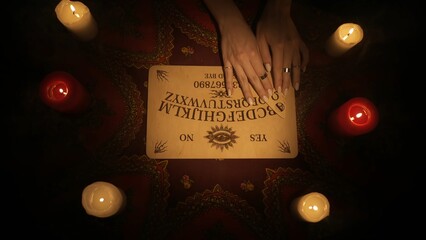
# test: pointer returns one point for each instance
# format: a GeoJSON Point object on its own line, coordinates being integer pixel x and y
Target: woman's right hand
{"type": "Point", "coordinates": [281, 44]}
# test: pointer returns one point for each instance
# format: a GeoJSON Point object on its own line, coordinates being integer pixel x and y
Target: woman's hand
{"type": "Point", "coordinates": [280, 44]}
{"type": "Point", "coordinates": [240, 52]}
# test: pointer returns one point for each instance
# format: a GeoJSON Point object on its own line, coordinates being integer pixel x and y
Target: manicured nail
{"type": "Point", "coordinates": [296, 86]}
{"type": "Point", "coordinates": [285, 92]}
{"type": "Point", "coordinates": [229, 92]}
{"type": "Point", "coordinates": [279, 89]}
{"type": "Point", "coordinates": [270, 92]}
{"type": "Point", "coordinates": [268, 67]}
{"type": "Point", "coordinates": [265, 98]}
{"type": "Point", "coordinates": [250, 101]}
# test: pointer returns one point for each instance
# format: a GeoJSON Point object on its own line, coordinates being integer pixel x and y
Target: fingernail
{"type": "Point", "coordinates": [296, 86]}
{"type": "Point", "coordinates": [285, 92]}
{"type": "Point", "coordinates": [304, 69]}
{"type": "Point", "coordinates": [279, 89]}
{"type": "Point", "coordinates": [229, 92]}
{"type": "Point", "coordinates": [270, 92]}
{"type": "Point", "coordinates": [268, 67]}
{"type": "Point", "coordinates": [250, 101]}
{"type": "Point", "coordinates": [265, 98]}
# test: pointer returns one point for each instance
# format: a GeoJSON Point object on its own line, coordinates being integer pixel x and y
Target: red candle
{"type": "Point", "coordinates": [62, 92]}
{"type": "Point", "coordinates": [355, 117]}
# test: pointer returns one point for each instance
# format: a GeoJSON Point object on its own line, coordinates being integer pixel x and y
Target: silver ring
{"type": "Point", "coordinates": [286, 70]}
{"type": "Point", "coordinates": [264, 76]}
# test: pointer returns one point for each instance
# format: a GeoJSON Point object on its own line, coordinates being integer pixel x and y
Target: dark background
{"type": "Point", "coordinates": [399, 48]}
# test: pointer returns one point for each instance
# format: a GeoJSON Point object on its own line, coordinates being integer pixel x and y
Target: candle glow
{"type": "Point", "coordinates": [62, 92]}
{"type": "Point", "coordinates": [312, 207]}
{"type": "Point", "coordinates": [359, 115]}
{"type": "Point", "coordinates": [102, 199]}
{"type": "Point", "coordinates": [57, 91]}
{"type": "Point", "coordinates": [76, 17]}
{"type": "Point", "coordinates": [344, 38]}
{"type": "Point", "coordinates": [355, 117]}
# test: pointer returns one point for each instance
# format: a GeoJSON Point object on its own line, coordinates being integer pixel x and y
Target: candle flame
{"type": "Point", "coordinates": [73, 11]}
{"type": "Point", "coordinates": [314, 207]}
{"type": "Point", "coordinates": [349, 33]}
{"type": "Point", "coordinates": [63, 91]}
{"type": "Point", "coordinates": [358, 115]}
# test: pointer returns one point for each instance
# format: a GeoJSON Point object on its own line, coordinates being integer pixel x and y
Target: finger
{"type": "Point", "coordinates": [244, 84]}
{"type": "Point", "coordinates": [265, 53]}
{"type": "Point", "coordinates": [277, 65]}
{"type": "Point", "coordinates": [286, 69]}
{"type": "Point", "coordinates": [265, 88]}
{"type": "Point", "coordinates": [304, 51]}
{"type": "Point", "coordinates": [295, 74]}
{"type": "Point", "coordinates": [254, 79]}
{"type": "Point", "coordinates": [266, 58]}
{"type": "Point", "coordinates": [229, 78]}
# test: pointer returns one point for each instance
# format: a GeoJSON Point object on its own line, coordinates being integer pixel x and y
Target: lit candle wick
{"type": "Point", "coordinates": [358, 115]}
{"type": "Point", "coordinates": [349, 33]}
{"type": "Point", "coordinates": [73, 11]}
{"type": "Point", "coordinates": [63, 91]}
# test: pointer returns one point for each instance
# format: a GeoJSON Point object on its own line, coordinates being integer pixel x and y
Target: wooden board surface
{"type": "Point", "coordinates": [190, 116]}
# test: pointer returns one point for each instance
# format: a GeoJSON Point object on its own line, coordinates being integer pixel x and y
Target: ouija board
{"type": "Point", "coordinates": [190, 116]}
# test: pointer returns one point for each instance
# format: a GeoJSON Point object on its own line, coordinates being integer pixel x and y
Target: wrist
{"type": "Point", "coordinates": [284, 6]}
{"type": "Point", "coordinates": [225, 12]}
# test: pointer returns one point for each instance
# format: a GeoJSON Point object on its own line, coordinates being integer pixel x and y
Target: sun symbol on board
{"type": "Point", "coordinates": [162, 75]}
{"type": "Point", "coordinates": [221, 137]}
{"type": "Point", "coordinates": [284, 146]}
{"type": "Point", "coordinates": [160, 147]}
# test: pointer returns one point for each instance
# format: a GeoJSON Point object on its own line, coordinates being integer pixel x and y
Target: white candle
{"type": "Point", "coordinates": [344, 38]}
{"type": "Point", "coordinates": [76, 17]}
{"type": "Point", "coordinates": [312, 207]}
{"type": "Point", "coordinates": [102, 199]}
